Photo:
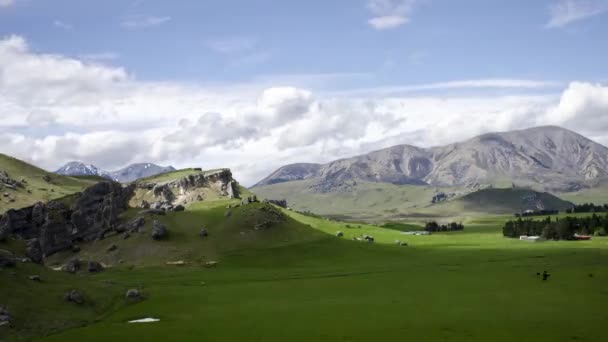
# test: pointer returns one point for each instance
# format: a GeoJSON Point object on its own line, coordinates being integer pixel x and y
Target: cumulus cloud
{"type": "Point", "coordinates": [565, 12]}
{"type": "Point", "coordinates": [54, 109]}
{"type": "Point", "coordinates": [6, 3]}
{"type": "Point", "coordinates": [389, 14]}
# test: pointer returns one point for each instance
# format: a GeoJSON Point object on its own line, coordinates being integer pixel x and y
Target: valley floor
{"type": "Point", "coordinates": [467, 286]}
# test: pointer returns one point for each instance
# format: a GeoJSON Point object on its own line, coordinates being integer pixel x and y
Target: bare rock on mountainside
{"type": "Point", "coordinates": [7, 259]}
{"type": "Point", "coordinates": [553, 157]}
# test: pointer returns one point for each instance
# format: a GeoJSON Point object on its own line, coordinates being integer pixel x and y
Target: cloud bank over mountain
{"type": "Point", "coordinates": [56, 108]}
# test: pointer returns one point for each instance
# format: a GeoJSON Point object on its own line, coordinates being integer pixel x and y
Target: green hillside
{"type": "Point", "coordinates": [276, 283]}
{"type": "Point", "coordinates": [509, 200]}
{"type": "Point", "coordinates": [36, 188]}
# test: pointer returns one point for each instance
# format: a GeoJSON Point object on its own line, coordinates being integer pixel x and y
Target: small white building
{"type": "Point", "coordinates": [532, 238]}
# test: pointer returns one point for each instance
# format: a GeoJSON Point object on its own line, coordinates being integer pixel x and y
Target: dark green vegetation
{"type": "Point", "coordinates": [563, 228]}
{"type": "Point", "coordinates": [512, 200]}
{"type": "Point", "coordinates": [449, 227]}
{"type": "Point", "coordinates": [588, 208]}
{"type": "Point", "coordinates": [39, 185]}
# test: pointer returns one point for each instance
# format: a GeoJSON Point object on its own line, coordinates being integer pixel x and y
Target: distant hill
{"type": "Point", "coordinates": [508, 201]}
{"type": "Point", "coordinates": [549, 157]}
{"type": "Point", "coordinates": [22, 184]}
{"type": "Point", "coordinates": [125, 175]}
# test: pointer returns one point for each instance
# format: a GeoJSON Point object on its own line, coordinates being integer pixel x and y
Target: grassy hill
{"type": "Point", "coordinates": [275, 284]}
{"type": "Point", "coordinates": [509, 200]}
{"type": "Point", "coordinates": [36, 187]}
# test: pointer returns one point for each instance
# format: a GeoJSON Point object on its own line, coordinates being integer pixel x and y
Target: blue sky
{"type": "Point", "coordinates": [236, 41]}
{"type": "Point", "coordinates": [255, 84]}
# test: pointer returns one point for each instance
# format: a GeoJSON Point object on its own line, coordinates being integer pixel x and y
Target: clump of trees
{"type": "Point", "coordinates": [537, 213]}
{"type": "Point", "coordinates": [558, 229]}
{"type": "Point", "coordinates": [433, 226]}
{"type": "Point", "coordinates": [588, 208]}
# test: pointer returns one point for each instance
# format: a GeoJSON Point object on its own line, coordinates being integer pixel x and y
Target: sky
{"type": "Point", "coordinates": [256, 84]}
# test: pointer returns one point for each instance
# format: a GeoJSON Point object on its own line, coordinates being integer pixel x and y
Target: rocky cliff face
{"type": "Point", "coordinates": [192, 188]}
{"type": "Point", "coordinates": [57, 225]}
{"type": "Point", "coordinates": [550, 157]}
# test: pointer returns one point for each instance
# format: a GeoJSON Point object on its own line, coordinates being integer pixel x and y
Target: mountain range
{"type": "Point", "coordinates": [127, 174]}
{"type": "Point", "coordinates": [549, 158]}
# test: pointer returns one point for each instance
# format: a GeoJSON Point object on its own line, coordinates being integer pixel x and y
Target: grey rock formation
{"type": "Point", "coordinates": [203, 233]}
{"type": "Point", "coordinates": [5, 317]}
{"type": "Point", "coordinates": [133, 294]}
{"type": "Point", "coordinates": [159, 231]}
{"type": "Point", "coordinates": [7, 259]}
{"type": "Point", "coordinates": [33, 251]}
{"type": "Point", "coordinates": [72, 266]}
{"type": "Point", "coordinates": [94, 267]}
{"type": "Point", "coordinates": [551, 157]}
{"type": "Point", "coordinates": [74, 296]}
{"type": "Point", "coordinates": [56, 226]}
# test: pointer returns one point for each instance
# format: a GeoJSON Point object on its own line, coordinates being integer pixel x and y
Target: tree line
{"type": "Point", "coordinates": [588, 208]}
{"type": "Point", "coordinates": [558, 229]}
{"type": "Point", "coordinates": [433, 226]}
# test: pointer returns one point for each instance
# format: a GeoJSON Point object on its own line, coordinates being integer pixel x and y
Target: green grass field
{"type": "Point", "coordinates": [298, 282]}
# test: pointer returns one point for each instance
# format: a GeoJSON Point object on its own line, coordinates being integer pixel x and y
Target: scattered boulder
{"type": "Point", "coordinates": [126, 235]}
{"type": "Point", "coordinates": [228, 213]}
{"type": "Point", "coordinates": [203, 233]}
{"type": "Point", "coordinates": [179, 207]}
{"type": "Point", "coordinates": [211, 264]}
{"type": "Point", "coordinates": [75, 249]}
{"type": "Point", "coordinates": [5, 317]}
{"type": "Point", "coordinates": [339, 234]}
{"type": "Point", "coordinates": [72, 266]}
{"type": "Point", "coordinates": [34, 251]}
{"type": "Point", "coordinates": [144, 204]}
{"type": "Point", "coordinates": [35, 278]}
{"type": "Point", "coordinates": [112, 248]}
{"type": "Point", "coordinates": [7, 259]}
{"type": "Point", "coordinates": [47, 178]}
{"type": "Point", "coordinates": [133, 294]}
{"type": "Point", "coordinates": [94, 267]}
{"type": "Point", "coordinates": [159, 231]}
{"type": "Point", "coordinates": [74, 296]}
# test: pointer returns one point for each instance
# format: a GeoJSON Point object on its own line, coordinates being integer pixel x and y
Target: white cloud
{"type": "Point", "coordinates": [565, 12]}
{"type": "Point", "coordinates": [144, 21]}
{"type": "Point", "coordinates": [54, 109]}
{"type": "Point", "coordinates": [62, 25]}
{"type": "Point", "coordinates": [6, 3]}
{"type": "Point", "coordinates": [389, 14]}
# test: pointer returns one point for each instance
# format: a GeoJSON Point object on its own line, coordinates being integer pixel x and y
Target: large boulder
{"type": "Point", "coordinates": [74, 296]}
{"type": "Point", "coordinates": [94, 267]}
{"type": "Point", "coordinates": [33, 250]}
{"type": "Point", "coordinates": [159, 231]}
{"type": "Point", "coordinates": [7, 259]}
{"type": "Point", "coordinates": [72, 266]}
{"type": "Point", "coordinates": [203, 233]}
{"type": "Point", "coordinates": [5, 317]}
{"type": "Point", "coordinates": [133, 294]}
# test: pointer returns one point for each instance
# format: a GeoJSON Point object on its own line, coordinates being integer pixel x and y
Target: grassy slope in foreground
{"type": "Point", "coordinates": [467, 286]}
{"type": "Point", "coordinates": [41, 190]}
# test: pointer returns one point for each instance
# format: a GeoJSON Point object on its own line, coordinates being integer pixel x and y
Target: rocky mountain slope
{"type": "Point", "coordinates": [75, 168]}
{"type": "Point", "coordinates": [551, 158]}
{"type": "Point", "coordinates": [125, 175]}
